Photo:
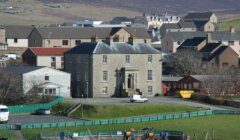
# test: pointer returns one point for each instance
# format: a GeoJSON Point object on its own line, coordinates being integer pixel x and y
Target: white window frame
{"type": "Point", "coordinates": [149, 75]}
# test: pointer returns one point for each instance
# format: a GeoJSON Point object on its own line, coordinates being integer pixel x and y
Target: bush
{"type": "Point", "coordinates": [60, 108]}
{"type": "Point", "coordinates": [214, 100]}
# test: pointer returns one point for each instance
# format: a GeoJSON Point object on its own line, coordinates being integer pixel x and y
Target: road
{"type": "Point", "coordinates": [153, 100]}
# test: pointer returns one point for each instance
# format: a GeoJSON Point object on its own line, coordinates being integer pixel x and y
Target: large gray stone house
{"type": "Point", "coordinates": [119, 69]}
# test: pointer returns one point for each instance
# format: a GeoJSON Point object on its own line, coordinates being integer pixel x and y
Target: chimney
{"type": "Point", "coordinates": [232, 29]}
{"type": "Point", "coordinates": [209, 38]}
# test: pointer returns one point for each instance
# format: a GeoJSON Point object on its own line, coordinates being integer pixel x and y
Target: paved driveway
{"type": "Point", "coordinates": [153, 100]}
{"type": "Point", "coordinates": [30, 119]}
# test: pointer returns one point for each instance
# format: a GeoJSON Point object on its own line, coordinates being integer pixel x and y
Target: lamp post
{"type": "Point", "coordinates": [82, 105]}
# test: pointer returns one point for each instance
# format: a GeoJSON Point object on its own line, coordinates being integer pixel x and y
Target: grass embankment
{"type": "Point", "coordinates": [226, 127]}
{"type": "Point", "coordinates": [92, 112]}
{"type": "Point", "coordinates": [225, 25]}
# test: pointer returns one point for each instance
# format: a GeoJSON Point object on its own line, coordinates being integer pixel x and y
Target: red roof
{"type": "Point", "coordinates": [49, 51]}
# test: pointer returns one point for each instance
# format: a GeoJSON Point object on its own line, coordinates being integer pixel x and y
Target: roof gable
{"type": "Point", "coordinates": [18, 31]}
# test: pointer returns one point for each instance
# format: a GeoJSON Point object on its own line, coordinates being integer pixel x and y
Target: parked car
{"type": "Point", "coordinates": [138, 99]}
{"type": "Point", "coordinates": [43, 111]}
{"type": "Point", "coordinates": [4, 114]}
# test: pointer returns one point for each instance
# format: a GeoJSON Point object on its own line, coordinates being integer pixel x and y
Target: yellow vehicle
{"type": "Point", "coordinates": [186, 94]}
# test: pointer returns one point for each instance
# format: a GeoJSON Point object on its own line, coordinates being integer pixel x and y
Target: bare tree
{"type": "Point", "coordinates": [10, 88]}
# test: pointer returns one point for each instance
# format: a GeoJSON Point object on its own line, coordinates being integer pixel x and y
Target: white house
{"type": "Point", "coordinates": [49, 81]}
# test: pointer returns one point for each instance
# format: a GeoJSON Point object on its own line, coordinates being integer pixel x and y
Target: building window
{"type": "Point", "coordinates": [149, 75]}
{"type": "Point", "coordinates": [189, 86]}
{"type": "Point", "coordinates": [104, 90]}
{"type": "Point", "coordinates": [48, 41]}
{"type": "Point", "coordinates": [50, 91]}
{"type": "Point", "coordinates": [104, 59]}
{"type": "Point", "coordinates": [65, 42]}
{"type": "Point", "coordinates": [150, 89]}
{"type": "Point", "coordinates": [105, 75]}
{"type": "Point", "coordinates": [149, 58]}
{"type": "Point", "coordinates": [53, 59]}
{"type": "Point", "coordinates": [185, 86]}
{"type": "Point", "coordinates": [53, 63]}
{"type": "Point", "coordinates": [77, 42]}
{"type": "Point", "coordinates": [231, 43]}
{"type": "Point", "coordinates": [15, 40]}
{"type": "Point", "coordinates": [225, 64]}
{"type": "Point", "coordinates": [127, 58]}
{"type": "Point", "coordinates": [46, 78]}
{"type": "Point", "coordinates": [145, 40]}
{"type": "Point", "coordinates": [179, 43]}
{"type": "Point", "coordinates": [116, 38]}
{"type": "Point", "coordinates": [196, 85]}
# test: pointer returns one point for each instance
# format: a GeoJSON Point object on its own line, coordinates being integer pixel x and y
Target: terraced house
{"type": "Point", "coordinates": [72, 36]}
{"type": "Point", "coordinates": [119, 69]}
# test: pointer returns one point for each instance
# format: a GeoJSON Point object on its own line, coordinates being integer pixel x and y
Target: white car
{"type": "Point", "coordinates": [138, 99]}
{"type": "Point", "coordinates": [4, 114]}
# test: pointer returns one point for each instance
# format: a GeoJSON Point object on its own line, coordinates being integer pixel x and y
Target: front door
{"type": "Point", "coordinates": [130, 81]}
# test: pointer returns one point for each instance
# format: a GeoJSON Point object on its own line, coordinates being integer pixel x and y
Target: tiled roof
{"type": "Point", "coordinates": [18, 31]}
{"type": "Point", "coordinates": [49, 51]}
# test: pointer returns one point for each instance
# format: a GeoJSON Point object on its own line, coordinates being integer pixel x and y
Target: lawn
{"type": "Point", "coordinates": [7, 134]}
{"type": "Point", "coordinates": [92, 112]}
{"type": "Point", "coordinates": [225, 25]}
{"type": "Point", "coordinates": [226, 127]}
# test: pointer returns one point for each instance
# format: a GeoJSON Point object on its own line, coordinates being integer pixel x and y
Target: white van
{"type": "Point", "coordinates": [138, 99]}
{"type": "Point", "coordinates": [4, 114]}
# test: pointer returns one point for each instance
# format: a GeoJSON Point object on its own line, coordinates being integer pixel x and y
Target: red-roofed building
{"type": "Point", "coordinates": [50, 57]}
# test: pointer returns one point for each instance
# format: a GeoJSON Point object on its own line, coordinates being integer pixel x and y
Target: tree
{"type": "Point", "coordinates": [10, 89]}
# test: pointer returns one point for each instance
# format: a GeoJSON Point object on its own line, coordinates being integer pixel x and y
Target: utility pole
{"type": "Point", "coordinates": [82, 105]}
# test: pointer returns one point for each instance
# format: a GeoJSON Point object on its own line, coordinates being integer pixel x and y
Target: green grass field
{"type": "Point", "coordinates": [226, 127]}
{"type": "Point", "coordinates": [225, 25]}
{"type": "Point", "coordinates": [92, 112]}
{"type": "Point", "coordinates": [8, 134]}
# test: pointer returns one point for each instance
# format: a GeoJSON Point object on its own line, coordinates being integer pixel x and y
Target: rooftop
{"type": "Point", "coordinates": [114, 48]}
{"type": "Point", "coordinates": [49, 51]}
{"type": "Point", "coordinates": [18, 31]}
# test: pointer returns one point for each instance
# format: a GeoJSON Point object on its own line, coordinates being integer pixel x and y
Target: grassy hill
{"type": "Point", "coordinates": [225, 25]}
{"type": "Point", "coordinates": [58, 11]}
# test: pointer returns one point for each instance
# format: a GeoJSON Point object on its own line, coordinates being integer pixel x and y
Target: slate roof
{"type": "Point", "coordinates": [114, 48]}
{"type": "Point", "coordinates": [210, 47]}
{"type": "Point", "coordinates": [198, 16]}
{"type": "Point", "coordinates": [87, 32]}
{"type": "Point", "coordinates": [170, 26]}
{"type": "Point", "coordinates": [18, 31]}
{"type": "Point", "coordinates": [21, 69]}
{"type": "Point", "coordinates": [49, 51]}
{"type": "Point", "coordinates": [219, 36]}
{"type": "Point", "coordinates": [171, 78]}
{"type": "Point", "coordinates": [184, 24]}
{"type": "Point", "coordinates": [200, 24]}
{"type": "Point", "coordinates": [219, 51]}
{"type": "Point", "coordinates": [193, 42]}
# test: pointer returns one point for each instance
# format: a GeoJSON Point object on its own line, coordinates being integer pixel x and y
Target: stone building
{"type": "Point", "coordinates": [69, 37]}
{"type": "Point", "coordinates": [118, 69]}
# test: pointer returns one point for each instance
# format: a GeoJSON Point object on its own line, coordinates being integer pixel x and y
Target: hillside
{"type": "Point", "coordinates": [58, 11]}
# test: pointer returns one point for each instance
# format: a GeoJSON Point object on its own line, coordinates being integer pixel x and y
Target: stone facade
{"type": "Point", "coordinates": [108, 75]}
